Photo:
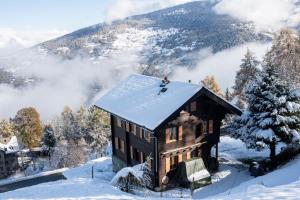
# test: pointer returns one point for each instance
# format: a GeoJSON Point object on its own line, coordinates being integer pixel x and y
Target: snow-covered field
{"type": "Point", "coordinates": [231, 182]}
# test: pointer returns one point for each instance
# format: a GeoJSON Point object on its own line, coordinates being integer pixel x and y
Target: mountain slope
{"type": "Point", "coordinates": [161, 39]}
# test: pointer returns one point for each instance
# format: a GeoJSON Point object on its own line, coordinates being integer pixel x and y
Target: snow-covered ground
{"type": "Point", "coordinates": [231, 182]}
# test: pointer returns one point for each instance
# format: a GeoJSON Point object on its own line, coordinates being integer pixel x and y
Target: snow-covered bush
{"type": "Point", "coordinates": [129, 178]}
{"type": "Point", "coordinates": [136, 177]}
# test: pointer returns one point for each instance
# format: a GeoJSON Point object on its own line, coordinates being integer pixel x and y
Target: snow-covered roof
{"type": "Point", "coordinates": [137, 99]}
{"type": "Point", "coordinates": [11, 146]}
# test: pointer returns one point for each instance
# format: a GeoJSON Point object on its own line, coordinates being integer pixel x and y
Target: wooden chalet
{"type": "Point", "coordinates": [170, 121]}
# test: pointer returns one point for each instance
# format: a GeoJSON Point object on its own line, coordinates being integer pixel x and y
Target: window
{"type": "Point", "coordinates": [119, 122]}
{"type": "Point", "coordinates": [122, 146]}
{"type": "Point", "coordinates": [141, 132]}
{"type": "Point", "coordinates": [133, 128]}
{"type": "Point", "coordinates": [147, 136]}
{"type": "Point", "coordinates": [127, 126]}
{"type": "Point", "coordinates": [193, 106]}
{"type": "Point", "coordinates": [123, 124]}
{"type": "Point", "coordinates": [135, 154]}
{"type": "Point", "coordinates": [116, 142]}
{"type": "Point", "coordinates": [173, 133]}
{"type": "Point", "coordinates": [210, 126]}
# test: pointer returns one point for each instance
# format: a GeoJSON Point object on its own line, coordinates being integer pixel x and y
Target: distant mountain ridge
{"type": "Point", "coordinates": [160, 39]}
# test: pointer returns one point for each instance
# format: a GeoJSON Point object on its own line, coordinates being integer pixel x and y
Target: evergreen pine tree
{"type": "Point", "coordinates": [246, 74]}
{"type": "Point", "coordinates": [49, 139]}
{"type": "Point", "coordinates": [272, 114]}
{"type": "Point", "coordinates": [228, 95]}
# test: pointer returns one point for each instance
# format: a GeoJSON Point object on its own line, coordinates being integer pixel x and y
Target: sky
{"type": "Point", "coordinates": [51, 14]}
{"type": "Point", "coordinates": [25, 23]}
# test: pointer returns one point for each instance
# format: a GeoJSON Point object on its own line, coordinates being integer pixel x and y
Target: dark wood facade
{"type": "Point", "coordinates": [191, 131]}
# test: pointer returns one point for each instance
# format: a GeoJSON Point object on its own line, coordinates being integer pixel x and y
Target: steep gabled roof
{"type": "Point", "coordinates": [138, 99]}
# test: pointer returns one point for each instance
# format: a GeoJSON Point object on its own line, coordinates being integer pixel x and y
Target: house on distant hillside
{"type": "Point", "coordinates": [173, 122]}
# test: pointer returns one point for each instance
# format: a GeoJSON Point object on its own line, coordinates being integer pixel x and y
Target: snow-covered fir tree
{"type": "Point", "coordinates": [228, 95]}
{"type": "Point", "coordinates": [69, 125]}
{"type": "Point", "coordinates": [285, 56]}
{"type": "Point", "coordinates": [49, 140]}
{"type": "Point", "coordinates": [245, 75]}
{"type": "Point", "coordinates": [272, 115]}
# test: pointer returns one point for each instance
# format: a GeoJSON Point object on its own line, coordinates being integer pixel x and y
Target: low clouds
{"type": "Point", "coordinates": [12, 40]}
{"type": "Point", "coordinates": [70, 82]}
{"type": "Point", "coordinates": [266, 14]}
{"type": "Point", "coordinates": [120, 9]}
{"type": "Point", "coordinates": [222, 65]}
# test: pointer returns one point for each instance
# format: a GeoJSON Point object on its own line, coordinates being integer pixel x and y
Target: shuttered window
{"type": "Point", "coordinates": [116, 142]}
{"type": "Point", "coordinates": [167, 165]}
{"type": "Point", "coordinates": [180, 133]}
{"type": "Point", "coordinates": [210, 126]}
{"type": "Point", "coordinates": [173, 134]}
